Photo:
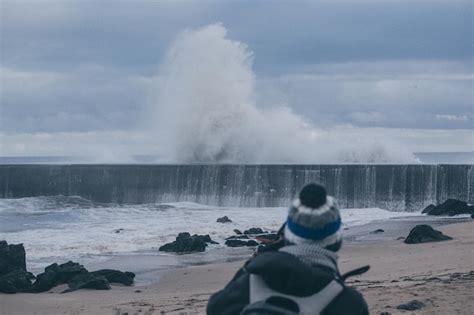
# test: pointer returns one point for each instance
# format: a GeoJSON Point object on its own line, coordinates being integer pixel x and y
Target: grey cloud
{"type": "Point", "coordinates": [400, 103]}
{"type": "Point", "coordinates": [97, 99]}
{"type": "Point", "coordinates": [283, 34]}
{"type": "Point", "coordinates": [90, 65]}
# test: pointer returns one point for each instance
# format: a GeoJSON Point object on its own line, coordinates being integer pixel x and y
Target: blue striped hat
{"type": "Point", "coordinates": [314, 218]}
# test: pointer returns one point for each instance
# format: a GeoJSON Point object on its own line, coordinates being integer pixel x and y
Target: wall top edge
{"type": "Point", "coordinates": [217, 165]}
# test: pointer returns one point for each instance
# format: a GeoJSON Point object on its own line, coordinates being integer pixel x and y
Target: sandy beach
{"type": "Point", "coordinates": [441, 275]}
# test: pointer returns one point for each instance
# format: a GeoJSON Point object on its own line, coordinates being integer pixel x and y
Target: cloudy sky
{"type": "Point", "coordinates": [83, 71]}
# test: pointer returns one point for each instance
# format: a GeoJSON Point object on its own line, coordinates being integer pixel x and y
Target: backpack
{"type": "Point", "coordinates": [264, 300]}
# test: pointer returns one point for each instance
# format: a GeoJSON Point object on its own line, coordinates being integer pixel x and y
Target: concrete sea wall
{"type": "Point", "coordinates": [393, 187]}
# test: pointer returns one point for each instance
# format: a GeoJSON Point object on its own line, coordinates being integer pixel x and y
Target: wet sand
{"type": "Point", "coordinates": [438, 274]}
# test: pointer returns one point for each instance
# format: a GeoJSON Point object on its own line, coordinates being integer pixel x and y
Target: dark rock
{"type": "Point", "coordinates": [267, 238]}
{"type": "Point", "coordinates": [224, 219]}
{"type": "Point", "coordinates": [254, 231]}
{"type": "Point", "coordinates": [428, 209]}
{"type": "Point", "coordinates": [274, 246]}
{"type": "Point", "coordinates": [44, 282]}
{"type": "Point", "coordinates": [238, 237]}
{"type": "Point", "coordinates": [377, 231]}
{"type": "Point", "coordinates": [385, 313]}
{"type": "Point", "coordinates": [184, 246]}
{"type": "Point", "coordinates": [425, 233]}
{"type": "Point", "coordinates": [15, 281]}
{"type": "Point", "coordinates": [185, 243]}
{"type": "Point", "coordinates": [206, 238]}
{"type": "Point", "coordinates": [116, 276]}
{"type": "Point", "coordinates": [450, 207]}
{"type": "Point", "coordinates": [238, 232]}
{"type": "Point", "coordinates": [55, 274]}
{"type": "Point", "coordinates": [183, 235]}
{"type": "Point", "coordinates": [472, 216]}
{"type": "Point", "coordinates": [411, 306]}
{"type": "Point", "coordinates": [239, 243]}
{"type": "Point", "coordinates": [65, 272]}
{"type": "Point", "coordinates": [400, 238]}
{"type": "Point", "coordinates": [88, 281]}
{"type": "Point", "coordinates": [12, 257]}
{"type": "Point", "coordinates": [117, 231]}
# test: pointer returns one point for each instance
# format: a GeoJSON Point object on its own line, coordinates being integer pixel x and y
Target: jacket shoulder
{"type": "Point", "coordinates": [232, 298]}
{"type": "Point", "coordinates": [349, 302]}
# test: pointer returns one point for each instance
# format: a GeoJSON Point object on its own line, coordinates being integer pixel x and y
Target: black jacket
{"type": "Point", "coordinates": [287, 274]}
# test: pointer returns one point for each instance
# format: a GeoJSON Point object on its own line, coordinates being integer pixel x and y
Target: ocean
{"type": "Point", "coordinates": [60, 228]}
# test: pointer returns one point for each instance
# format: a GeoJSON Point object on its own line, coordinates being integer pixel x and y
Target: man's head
{"type": "Point", "coordinates": [314, 219]}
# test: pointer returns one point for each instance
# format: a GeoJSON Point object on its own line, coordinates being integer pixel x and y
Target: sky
{"type": "Point", "coordinates": [81, 74]}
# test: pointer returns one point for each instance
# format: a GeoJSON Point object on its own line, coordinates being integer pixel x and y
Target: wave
{"type": "Point", "coordinates": [206, 111]}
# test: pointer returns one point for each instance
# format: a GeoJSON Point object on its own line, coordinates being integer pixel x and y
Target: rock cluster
{"type": "Point", "coordinates": [185, 243]}
{"type": "Point", "coordinates": [15, 278]}
{"type": "Point", "coordinates": [77, 277]}
{"type": "Point", "coordinates": [224, 219]}
{"type": "Point", "coordinates": [100, 279]}
{"type": "Point", "coordinates": [88, 281]}
{"type": "Point", "coordinates": [16, 281]}
{"type": "Point", "coordinates": [450, 207]}
{"type": "Point", "coordinates": [55, 274]}
{"type": "Point", "coordinates": [424, 234]}
{"type": "Point", "coordinates": [240, 243]}
{"type": "Point", "coordinates": [252, 231]}
{"type": "Point", "coordinates": [12, 257]}
{"type": "Point", "coordinates": [13, 274]}
{"type": "Point", "coordinates": [259, 235]}
{"type": "Point", "coordinates": [411, 306]}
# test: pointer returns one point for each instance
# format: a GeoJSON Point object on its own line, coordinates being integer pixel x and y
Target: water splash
{"type": "Point", "coordinates": [206, 111]}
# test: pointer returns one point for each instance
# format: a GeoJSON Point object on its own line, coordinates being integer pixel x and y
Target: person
{"type": "Point", "coordinates": [298, 275]}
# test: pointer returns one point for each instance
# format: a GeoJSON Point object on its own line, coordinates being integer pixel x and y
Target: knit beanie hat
{"type": "Point", "coordinates": [314, 218]}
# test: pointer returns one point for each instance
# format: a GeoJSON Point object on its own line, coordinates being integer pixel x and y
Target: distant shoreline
{"type": "Point", "coordinates": [424, 157]}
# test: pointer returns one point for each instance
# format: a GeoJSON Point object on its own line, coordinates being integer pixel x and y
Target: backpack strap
{"type": "Point", "coordinates": [313, 304]}
{"type": "Point", "coordinates": [355, 272]}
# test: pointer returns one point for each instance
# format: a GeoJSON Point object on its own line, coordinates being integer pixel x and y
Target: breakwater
{"type": "Point", "coordinates": [393, 187]}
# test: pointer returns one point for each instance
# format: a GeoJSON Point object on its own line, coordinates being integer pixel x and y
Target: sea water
{"type": "Point", "coordinates": [60, 228]}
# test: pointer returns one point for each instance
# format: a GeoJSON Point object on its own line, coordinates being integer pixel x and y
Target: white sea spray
{"type": "Point", "coordinates": [206, 111]}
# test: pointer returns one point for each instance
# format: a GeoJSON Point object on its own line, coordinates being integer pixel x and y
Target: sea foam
{"type": "Point", "coordinates": [58, 228]}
